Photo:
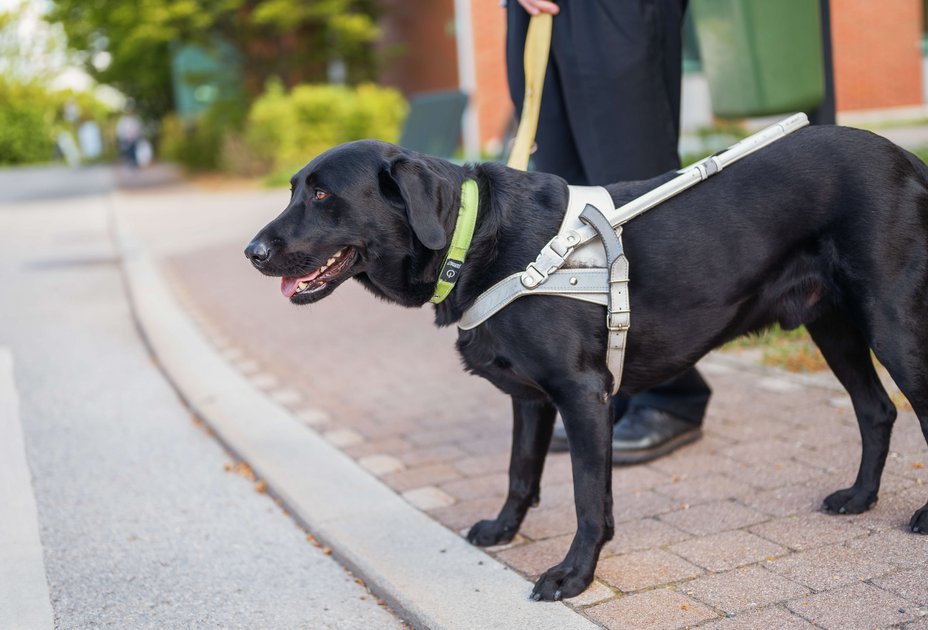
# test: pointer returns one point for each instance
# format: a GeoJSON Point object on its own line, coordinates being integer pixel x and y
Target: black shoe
{"type": "Point", "coordinates": [639, 436]}
{"type": "Point", "coordinates": [645, 433]}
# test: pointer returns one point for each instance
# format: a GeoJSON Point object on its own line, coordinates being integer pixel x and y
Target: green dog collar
{"type": "Point", "coordinates": [460, 241]}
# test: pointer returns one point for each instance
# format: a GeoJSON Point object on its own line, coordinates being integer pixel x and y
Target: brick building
{"type": "Point", "coordinates": [877, 53]}
{"type": "Point", "coordinates": [878, 61]}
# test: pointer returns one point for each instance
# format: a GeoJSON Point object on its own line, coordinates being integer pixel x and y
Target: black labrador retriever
{"type": "Point", "coordinates": [827, 227]}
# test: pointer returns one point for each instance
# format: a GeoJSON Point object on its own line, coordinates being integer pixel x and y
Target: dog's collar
{"type": "Point", "coordinates": [460, 241]}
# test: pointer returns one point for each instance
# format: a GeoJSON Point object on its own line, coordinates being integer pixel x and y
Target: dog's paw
{"type": "Point", "coordinates": [560, 582]}
{"type": "Point", "coordinates": [919, 522]}
{"type": "Point", "coordinates": [490, 532]}
{"type": "Point", "coordinates": [849, 501]}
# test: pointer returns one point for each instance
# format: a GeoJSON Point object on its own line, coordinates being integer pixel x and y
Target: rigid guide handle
{"type": "Point", "coordinates": [554, 254]}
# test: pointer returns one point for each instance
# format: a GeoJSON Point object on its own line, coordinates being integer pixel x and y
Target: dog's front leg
{"type": "Point", "coordinates": [585, 410]}
{"type": "Point", "coordinates": [532, 422]}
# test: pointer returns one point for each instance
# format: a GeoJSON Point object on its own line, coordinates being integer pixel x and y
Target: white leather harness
{"type": "Point", "coordinates": [586, 261]}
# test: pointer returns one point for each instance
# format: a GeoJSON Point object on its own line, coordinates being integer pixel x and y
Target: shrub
{"type": "Point", "coordinates": [198, 144]}
{"type": "Point", "coordinates": [195, 145]}
{"type": "Point", "coordinates": [285, 130]}
{"type": "Point", "coordinates": [26, 115]}
{"type": "Point", "coordinates": [282, 130]}
{"type": "Point", "coordinates": [31, 117]}
{"type": "Point", "coordinates": [24, 135]}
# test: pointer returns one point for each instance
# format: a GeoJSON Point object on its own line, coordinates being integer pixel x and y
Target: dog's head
{"type": "Point", "coordinates": [365, 209]}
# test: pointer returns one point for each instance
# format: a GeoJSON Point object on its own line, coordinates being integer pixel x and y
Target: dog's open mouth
{"type": "Point", "coordinates": [316, 281]}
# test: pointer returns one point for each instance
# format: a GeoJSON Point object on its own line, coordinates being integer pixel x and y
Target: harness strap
{"type": "Point", "coordinates": [607, 286]}
{"type": "Point", "coordinates": [589, 285]}
{"type": "Point", "coordinates": [618, 310]}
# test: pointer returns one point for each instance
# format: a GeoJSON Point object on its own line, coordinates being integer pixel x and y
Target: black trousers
{"type": "Point", "coordinates": [610, 111]}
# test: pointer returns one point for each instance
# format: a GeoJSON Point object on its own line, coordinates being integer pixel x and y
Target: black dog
{"type": "Point", "coordinates": [827, 227]}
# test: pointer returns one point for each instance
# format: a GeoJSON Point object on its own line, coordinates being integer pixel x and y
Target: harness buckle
{"type": "Point", "coordinates": [618, 321]}
{"type": "Point", "coordinates": [551, 258]}
{"type": "Point", "coordinates": [532, 276]}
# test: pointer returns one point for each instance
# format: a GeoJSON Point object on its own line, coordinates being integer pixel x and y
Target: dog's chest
{"type": "Point", "coordinates": [485, 355]}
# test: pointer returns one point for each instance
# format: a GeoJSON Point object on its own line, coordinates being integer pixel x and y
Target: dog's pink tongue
{"type": "Point", "coordinates": [288, 285]}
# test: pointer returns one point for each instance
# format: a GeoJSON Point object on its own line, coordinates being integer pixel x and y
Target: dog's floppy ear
{"type": "Point", "coordinates": [425, 195]}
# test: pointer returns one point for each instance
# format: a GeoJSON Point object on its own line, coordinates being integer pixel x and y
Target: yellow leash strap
{"type": "Point", "coordinates": [537, 47]}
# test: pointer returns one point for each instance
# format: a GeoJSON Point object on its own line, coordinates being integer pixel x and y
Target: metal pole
{"type": "Point", "coordinates": [824, 114]}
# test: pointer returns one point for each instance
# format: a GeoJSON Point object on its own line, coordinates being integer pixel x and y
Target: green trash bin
{"type": "Point", "coordinates": [761, 57]}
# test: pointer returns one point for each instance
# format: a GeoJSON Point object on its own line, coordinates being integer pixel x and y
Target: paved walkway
{"type": "Point", "coordinates": [143, 521]}
{"type": "Point", "coordinates": [725, 533]}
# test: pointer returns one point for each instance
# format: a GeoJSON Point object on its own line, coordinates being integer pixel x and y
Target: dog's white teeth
{"type": "Point", "coordinates": [302, 286]}
{"type": "Point", "coordinates": [332, 260]}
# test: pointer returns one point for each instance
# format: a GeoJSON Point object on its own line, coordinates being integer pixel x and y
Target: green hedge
{"type": "Point", "coordinates": [282, 130]}
{"type": "Point", "coordinates": [23, 135]}
{"type": "Point", "coordinates": [31, 116]}
{"type": "Point", "coordinates": [26, 119]}
{"type": "Point", "coordinates": [198, 145]}
{"type": "Point", "coordinates": [286, 130]}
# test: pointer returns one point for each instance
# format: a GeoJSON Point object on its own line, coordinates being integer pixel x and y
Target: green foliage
{"type": "Point", "coordinates": [31, 116]}
{"type": "Point", "coordinates": [921, 153]}
{"type": "Point", "coordinates": [286, 130]}
{"type": "Point", "coordinates": [138, 63]}
{"type": "Point", "coordinates": [198, 145]}
{"type": "Point", "coordinates": [31, 49]}
{"type": "Point", "coordinates": [283, 130]}
{"type": "Point", "coordinates": [792, 350]}
{"type": "Point", "coordinates": [25, 126]}
{"type": "Point", "coordinates": [128, 44]}
{"type": "Point", "coordinates": [190, 144]}
{"type": "Point", "coordinates": [32, 54]}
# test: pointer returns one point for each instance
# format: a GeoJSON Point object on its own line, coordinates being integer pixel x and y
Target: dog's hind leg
{"type": "Point", "coordinates": [919, 521]}
{"type": "Point", "coordinates": [532, 424]}
{"type": "Point", "coordinates": [904, 352]}
{"type": "Point", "coordinates": [584, 406]}
{"type": "Point", "coordinates": [848, 355]}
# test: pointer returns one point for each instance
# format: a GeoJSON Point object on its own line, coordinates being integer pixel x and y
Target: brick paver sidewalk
{"type": "Point", "coordinates": [725, 533]}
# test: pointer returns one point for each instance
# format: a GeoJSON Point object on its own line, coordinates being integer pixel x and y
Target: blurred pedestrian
{"type": "Point", "coordinates": [90, 139]}
{"type": "Point", "coordinates": [128, 135]}
{"type": "Point", "coordinates": [610, 111]}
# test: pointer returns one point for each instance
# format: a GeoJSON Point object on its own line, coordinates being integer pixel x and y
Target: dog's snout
{"type": "Point", "coordinates": [257, 251]}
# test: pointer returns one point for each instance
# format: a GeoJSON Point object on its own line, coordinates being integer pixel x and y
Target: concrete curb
{"type": "Point", "coordinates": [24, 599]}
{"type": "Point", "coordinates": [428, 574]}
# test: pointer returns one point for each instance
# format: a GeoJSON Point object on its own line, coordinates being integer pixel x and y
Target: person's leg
{"type": "Point", "coordinates": [655, 422]}
{"type": "Point", "coordinates": [670, 415]}
{"type": "Point", "coordinates": [555, 150]}
{"type": "Point", "coordinates": [685, 396]}
{"type": "Point", "coordinates": [661, 419]}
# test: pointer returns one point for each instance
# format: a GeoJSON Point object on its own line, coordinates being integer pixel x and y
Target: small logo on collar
{"type": "Point", "coordinates": [450, 271]}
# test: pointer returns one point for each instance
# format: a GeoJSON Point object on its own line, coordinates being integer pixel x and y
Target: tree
{"type": "Point", "coordinates": [128, 45]}
{"type": "Point", "coordinates": [31, 49]}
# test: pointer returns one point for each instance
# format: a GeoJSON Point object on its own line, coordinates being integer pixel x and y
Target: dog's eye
{"type": "Point", "coordinates": [320, 194]}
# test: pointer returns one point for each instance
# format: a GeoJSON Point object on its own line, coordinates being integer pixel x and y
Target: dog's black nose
{"type": "Point", "coordinates": [257, 251]}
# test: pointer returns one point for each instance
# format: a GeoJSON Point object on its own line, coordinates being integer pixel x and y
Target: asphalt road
{"type": "Point", "coordinates": [141, 524]}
